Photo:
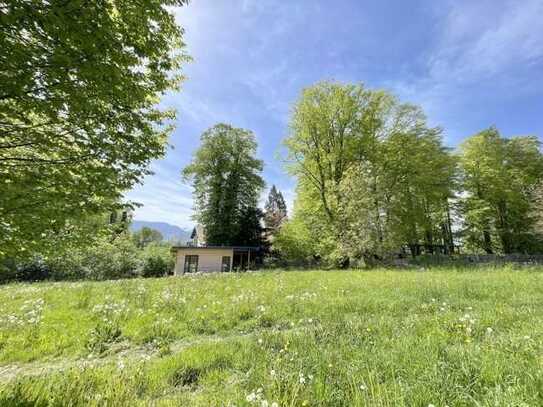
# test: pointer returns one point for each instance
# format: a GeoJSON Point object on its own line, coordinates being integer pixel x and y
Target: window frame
{"type": "Point", "coordinates": [223, 264]}
{"type": "Point", "coordinates": [191, 260]}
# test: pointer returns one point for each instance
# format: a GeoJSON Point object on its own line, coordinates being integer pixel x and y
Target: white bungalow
{"type": "Point", "coordinates": [196, 256]}
{"type": "Point", "coordinates": [192, 259]}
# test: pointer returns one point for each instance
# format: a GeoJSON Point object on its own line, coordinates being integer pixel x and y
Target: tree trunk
{"type": "Point", "coordinates": [487, 241]}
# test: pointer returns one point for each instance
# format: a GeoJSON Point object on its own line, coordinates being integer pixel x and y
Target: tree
{"type": "Point", "coordinates": [146, 235]}
{"type": "Point", "coordinates": [419, 178]}
{"type": "Point", "coordinates": [499, 178]}
{"type": "Point", "coordinates": [226, 179]}
{"type": "Point", "coordinates": [372, 176]}
{"type": "Point", "coordinates": [537, 210]}
{"type": "Point", "coordinates": [79, 121]}
{"type": "Point", "coordinates": [275, 211]}
{"type": "Point", "coordinates": [250, 231]}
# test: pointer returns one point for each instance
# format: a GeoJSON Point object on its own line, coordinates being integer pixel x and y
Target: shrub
{"type": "Point", "coordinates": [104, 258]}
{"type": "Point", "coordinates": [156, 261]}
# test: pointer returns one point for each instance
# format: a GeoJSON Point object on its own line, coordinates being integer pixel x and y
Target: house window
{"type": "Point", "coordinates": [225, 265]}
{"type": "Point", "coordinates": [191, 263]}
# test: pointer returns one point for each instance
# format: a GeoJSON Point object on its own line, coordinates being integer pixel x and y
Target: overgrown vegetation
{"type": "Point", "coordinates": [79, 121]}
{"type": "Point", "coordinates": [107, 255]}
{"type": "Point", "coordinates": [375, 181]}
{"type": "Point", "coordinates": [446, 337]}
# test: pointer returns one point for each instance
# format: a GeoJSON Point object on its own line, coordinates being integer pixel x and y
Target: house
{"type": "Point", "coordinates": [192, 259]}
{"type": "Point", "coordinates": [197, 256]}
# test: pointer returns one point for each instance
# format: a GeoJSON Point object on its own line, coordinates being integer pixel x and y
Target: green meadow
{"type": "Point", "coordinates": [300, 338]}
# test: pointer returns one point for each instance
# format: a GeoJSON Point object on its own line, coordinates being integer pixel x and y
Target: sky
{"type": "Point", "coordinates": [468, 64]}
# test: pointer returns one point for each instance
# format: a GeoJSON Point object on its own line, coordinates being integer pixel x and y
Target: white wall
{"type": "Point", "coordinates": [209, 260]}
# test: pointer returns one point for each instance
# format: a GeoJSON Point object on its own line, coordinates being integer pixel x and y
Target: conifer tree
{"type": "Point", "coordinates": [275, 210]}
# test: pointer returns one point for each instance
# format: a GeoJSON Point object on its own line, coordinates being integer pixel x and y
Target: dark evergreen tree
{"type": "Point", "coordinates": [275, 210]}
{"type": "Point", "coordinates": [250, 228]}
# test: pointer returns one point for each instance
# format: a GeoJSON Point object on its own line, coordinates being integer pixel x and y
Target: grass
{"type": "Point", "coordinates": [380, 337]}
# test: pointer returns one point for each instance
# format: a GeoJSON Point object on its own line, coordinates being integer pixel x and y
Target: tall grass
{"type": "Point", "coordinates": [293, 338]}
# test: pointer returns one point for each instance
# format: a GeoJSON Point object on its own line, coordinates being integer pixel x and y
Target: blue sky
{"type": "Point", "coordinates": [469, 64]}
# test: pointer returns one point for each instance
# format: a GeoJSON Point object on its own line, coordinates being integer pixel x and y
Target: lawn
{"type": "Point", "coordinates": [417, 338]}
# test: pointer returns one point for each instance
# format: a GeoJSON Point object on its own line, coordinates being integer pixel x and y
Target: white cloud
{"type": "Point", "coordinates": [476, 44]}
{"type": "Point", "coordinates": [163, 201]}
{"type": "Point", "coordinates": [484, 50]}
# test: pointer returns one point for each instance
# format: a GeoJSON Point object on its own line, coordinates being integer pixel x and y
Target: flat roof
{"type": "Point", "coordinates": [218, 247]}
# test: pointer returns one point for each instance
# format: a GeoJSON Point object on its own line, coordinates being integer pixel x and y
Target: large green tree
{"type": "Point", "coordinates": [225, 175]}
{"type": "Point", "coordinates": [372, 176]}
{"type": "Point", "coordinates": [79, 122]}
{"type": "Point", "coordinates": [500, 176]}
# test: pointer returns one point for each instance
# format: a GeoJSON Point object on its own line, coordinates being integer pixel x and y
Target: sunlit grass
{"type": "Point", "coordinates": [378, 337]}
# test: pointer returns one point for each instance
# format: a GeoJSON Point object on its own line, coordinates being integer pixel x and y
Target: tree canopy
{"type": "Point", "coordinates": [79, 121]}
{"type": "Point", "coordinates": [372, 175]}
{"type": "Point", "coordinates": [374, 180]}
{"type": "Point", "coordinates": [500, 178]}
{"type": "Point", "coordinates": [145, 236]}
{"type": "Point", "coordinates": [225, 175]}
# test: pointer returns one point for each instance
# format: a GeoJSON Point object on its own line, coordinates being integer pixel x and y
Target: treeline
{"type": "Point", "coordinates": [375, 181]}
{"type": "Point", "coordinates": [111, 251]}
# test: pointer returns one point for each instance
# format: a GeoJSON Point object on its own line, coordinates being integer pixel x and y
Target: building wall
{"type": "Point", "coordinates": [209, 260]}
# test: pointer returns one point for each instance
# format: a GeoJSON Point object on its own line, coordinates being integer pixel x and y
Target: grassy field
{"type": "Point", "coordinates": [416, 338]}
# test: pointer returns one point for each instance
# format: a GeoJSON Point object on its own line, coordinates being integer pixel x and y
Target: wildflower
{"type": "Point", "coordinates": [363, 387]}
{"type": "Point", "coordinates": [251, 397]}
{"type": "Point", "coordinates": [302, 378]}
{"type": "Point", "coordinates": [489, 330]}
{"type": "Point", "coordinates": [526, 337]}
{"type": "Point", "coordinates": [274, 404]}
{"type": "Point", "coordinates": [260, 341]}
{"type": "Point", "coordinates": [272, 373]}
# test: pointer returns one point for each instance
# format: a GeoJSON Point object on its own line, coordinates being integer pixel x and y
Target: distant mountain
{"type": "Point", "coordinates": [169, 232]}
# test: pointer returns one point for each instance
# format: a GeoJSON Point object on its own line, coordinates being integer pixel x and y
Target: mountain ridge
{"type": "Point", "coordinates": [168, 231]}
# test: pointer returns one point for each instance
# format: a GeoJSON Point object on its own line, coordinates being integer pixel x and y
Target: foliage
{"type": "Point", "coordinates": [536, 210]}
{"type": "Point", "coordinates": [106, 256]}
{"type": "Point", "coordinates": [275, 211]}
{"type": "Point", "coordinates": [145, 236]}
{"type": "Point", "coordinates": [499, 177]}
{"type": "Point", "coordinates": [79, 124]}
{"type": "Point", "coordinates": [157, 261]}
{"type": "Point", "coordinates": [372, 176]}
{"type": "Point", "coordinates": [316, 338]}
{"type": "Point", "coordinates": [226, 179]}
{"type": "Point", "coordinates": [294, 243]}
{"type": "Point", "coordinates": [250, 231]}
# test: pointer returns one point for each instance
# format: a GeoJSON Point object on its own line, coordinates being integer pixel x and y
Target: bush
{"type": "Point", "coordinates": [156, 261]}
{"type": "Point", "coordinates": [105, 258]}
{"type": "Point", "coordinates": [113, 259]}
